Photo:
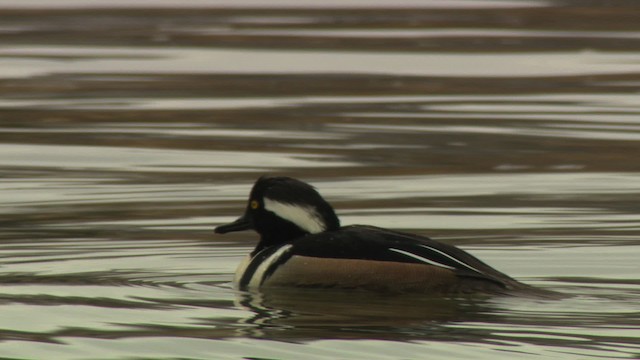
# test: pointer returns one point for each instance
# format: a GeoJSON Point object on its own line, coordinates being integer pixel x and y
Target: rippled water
{"type": "Point", "coordinates": [508, 128]}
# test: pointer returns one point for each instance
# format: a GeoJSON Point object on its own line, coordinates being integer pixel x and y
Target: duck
{"type": "Point", "coordinates": [303, 245]}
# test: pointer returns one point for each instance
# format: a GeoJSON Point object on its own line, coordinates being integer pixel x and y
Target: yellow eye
{"type": "Point", "coordinates": [254, 204]}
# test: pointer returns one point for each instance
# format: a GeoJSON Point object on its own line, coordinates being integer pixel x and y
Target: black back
{"type": "Point", "coordinates": [373, 243]}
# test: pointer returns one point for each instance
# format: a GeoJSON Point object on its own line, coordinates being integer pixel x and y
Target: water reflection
{"type": "Point", "coordinates": [247, 62]}
{"type": "Point", "coordinates": [137, 159]}
{"type": "Point", "coordinates": [325, 313]}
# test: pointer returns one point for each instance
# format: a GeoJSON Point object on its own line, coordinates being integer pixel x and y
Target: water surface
{"type": "Point", "coordinates": [127, 134]}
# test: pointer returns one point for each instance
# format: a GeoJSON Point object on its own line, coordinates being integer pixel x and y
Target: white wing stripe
{"type": "Point", "coordinates": [452, 258]}
{"type": "Point", "coordinates": [417, 257]}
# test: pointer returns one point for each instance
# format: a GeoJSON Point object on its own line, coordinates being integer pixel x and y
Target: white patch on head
{"type": "Point", "coordinates": [304, 217]}
{"type": "Point", "coordinates": [258, 275]}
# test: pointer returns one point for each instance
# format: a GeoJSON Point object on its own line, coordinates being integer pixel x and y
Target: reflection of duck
{"type": "Point", "coordinates": [302, 245]}
{"type": "Point", "coordinates": [331, 313]}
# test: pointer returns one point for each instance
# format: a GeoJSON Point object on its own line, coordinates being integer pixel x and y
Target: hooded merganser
{"type": "Point", "coordinates": [303, 245]}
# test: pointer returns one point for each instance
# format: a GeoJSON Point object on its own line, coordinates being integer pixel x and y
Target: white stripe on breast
{"type": "Point", "coordinates": [423, 259]}
{"type": "Point", "coordinates": [258, 275]}
{"type": "Point", "coordinates": [242, 267]}
{"type": "Point", "coordinates": [305, 217]}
